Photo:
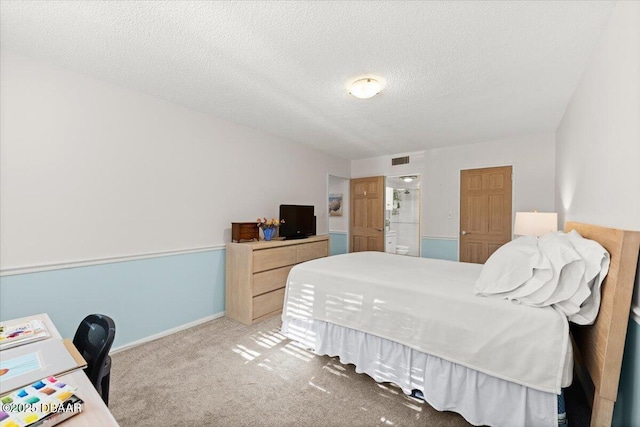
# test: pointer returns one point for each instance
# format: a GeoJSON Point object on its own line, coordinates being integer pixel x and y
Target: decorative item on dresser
{"type": "Point", "coordinates": [257, 274]}
{"type": "Point", "coordinates": [246, 231]}
{"type": "Point", "coordinates": [269, 227]}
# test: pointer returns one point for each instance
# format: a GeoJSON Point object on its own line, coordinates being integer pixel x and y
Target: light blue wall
{"type": "Point", "coordinates": [144, 297]}
{"type": "Point", "coordinates": [440, 248]}
{"type": "Point", "coordinates": [626, 412]}
{"type": "Point", "coordinates": [337, 243]}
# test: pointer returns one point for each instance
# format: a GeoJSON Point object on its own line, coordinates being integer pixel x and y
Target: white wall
{"type": "Point", "coordinates": [532, 158]}
{"type": "Point", "coordinates": [90, 170]}
{"type": "Point", "coordinates": [598, 139]}
{"type": "Point", "coordinates": [381, 166]}
{"type": "Point", "coordinates": [338, 185]}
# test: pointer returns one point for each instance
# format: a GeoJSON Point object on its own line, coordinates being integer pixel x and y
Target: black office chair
{"type": "Point", "coordinates": [93, 340]}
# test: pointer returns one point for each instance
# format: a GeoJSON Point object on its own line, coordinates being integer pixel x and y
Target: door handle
{"type": "Point", "coordinates": [379, 229]}
{"type": "Point", "coordinates": [464, 233]}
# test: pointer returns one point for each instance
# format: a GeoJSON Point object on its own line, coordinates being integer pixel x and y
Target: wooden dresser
{"type": "Point", "coordinates": [257, 274]}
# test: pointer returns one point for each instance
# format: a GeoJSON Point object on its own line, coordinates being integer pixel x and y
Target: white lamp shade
{"type": "Point", "coordinates": [535, 223]}
{"type": "Point", "coordinates": [365, 88]}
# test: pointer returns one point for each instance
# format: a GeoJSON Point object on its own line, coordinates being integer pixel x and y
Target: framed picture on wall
{"type": "Point", "coordinates": [335, 204]}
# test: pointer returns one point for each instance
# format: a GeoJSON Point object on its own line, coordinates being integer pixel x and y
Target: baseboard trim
{"type": "Point", "coordinates": [337, 232]}
{"type": "Point", "coordinates": [166, 333]}
{"type": "Point", "coordinates": [85, 263]}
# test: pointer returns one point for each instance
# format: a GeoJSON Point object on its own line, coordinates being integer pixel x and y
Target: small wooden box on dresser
{"type": "Point", "coordinates": [257, 274]}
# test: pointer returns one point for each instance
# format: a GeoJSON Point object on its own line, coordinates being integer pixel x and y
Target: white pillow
{"type": "Point", "coordinates": [567, 268]}
{"type": "Point", "coordinates": [597, 262]}
{"type": "Point", "coordinates": [541, 275]}
{"type": "Point", "coordinates": [558, 269]}
{"type": "Point", "coordinates": [509, 267]}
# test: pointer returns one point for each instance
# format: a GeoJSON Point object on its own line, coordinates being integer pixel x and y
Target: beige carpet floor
{"type": "Point", "coordinates": [223, 373]}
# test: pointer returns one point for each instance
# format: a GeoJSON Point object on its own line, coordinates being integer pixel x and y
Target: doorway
{"type": "Point", "coordinates": [485, 212]}
{"type": "Point", "coordinates": [338, 215]}
{"type": "Point", "coordinates": [402, 214]}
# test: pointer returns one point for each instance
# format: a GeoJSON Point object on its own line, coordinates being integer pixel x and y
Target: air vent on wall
{"type": "Point", "coordinates": [400, 161]}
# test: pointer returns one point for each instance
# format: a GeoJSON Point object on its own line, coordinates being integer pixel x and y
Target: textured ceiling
{"type": "Point", "coordinates": [455, 72]}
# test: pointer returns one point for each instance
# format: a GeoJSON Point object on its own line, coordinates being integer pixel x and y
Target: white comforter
{"type": "Point", "coordinates": [429, 305]}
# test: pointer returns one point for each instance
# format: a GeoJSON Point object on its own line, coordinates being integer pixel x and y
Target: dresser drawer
{"type": "Point", "coordinates": [268, 259]}
{"type": "Point", "coordinates": [311, 251]}
{"type": "Point", "coordinates": [269, 280]}
{"type": "Point", "coordinates": [266, 303]}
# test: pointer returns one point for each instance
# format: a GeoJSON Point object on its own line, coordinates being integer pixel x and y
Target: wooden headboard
{"type": "Point", "coordinates": [599, 347]}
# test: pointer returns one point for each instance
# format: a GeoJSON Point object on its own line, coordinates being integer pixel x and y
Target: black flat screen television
{"type": "Point", "coordinates": [299, 221]}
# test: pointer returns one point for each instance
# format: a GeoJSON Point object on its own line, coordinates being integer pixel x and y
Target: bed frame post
{"type": "Point", "coordinates": [600, 347]}
{"type": "Point", "coordinates": [602, 411]}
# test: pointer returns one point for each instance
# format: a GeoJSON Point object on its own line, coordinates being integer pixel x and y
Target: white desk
{"type": "Point", "coordinates": [95, 412]}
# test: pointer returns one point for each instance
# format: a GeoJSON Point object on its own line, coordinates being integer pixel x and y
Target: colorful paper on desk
{"type": "Point", "coordinates": [46, 402]}
{"type": "Point", "coordinates": [53, 358]}
{"type": "Point", "coordinates": [17, 366]}
{"type": "Point", "coordinates": [13, 335]}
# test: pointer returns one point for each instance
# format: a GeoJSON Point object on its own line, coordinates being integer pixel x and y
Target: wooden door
{"type": "Point", "coordinates": [485, 212]}
{"type": "Point", "coordinates": [367, 214]}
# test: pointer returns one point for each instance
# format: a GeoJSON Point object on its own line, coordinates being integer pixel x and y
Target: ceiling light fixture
{"type": "Point", "coordinates": [408, 178]}
{"type": "Point", "coordinates": [365, 88]}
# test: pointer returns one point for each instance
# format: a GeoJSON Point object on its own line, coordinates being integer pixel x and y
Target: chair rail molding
{"type": "Point", "coordinates": [10, 271]}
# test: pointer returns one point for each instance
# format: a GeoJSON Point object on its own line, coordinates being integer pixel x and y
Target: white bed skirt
{"type": "Point", "coordinates": [481, 399]}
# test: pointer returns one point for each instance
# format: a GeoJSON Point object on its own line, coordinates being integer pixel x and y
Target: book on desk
{"type": "Point", "coordinates": [13, 335]}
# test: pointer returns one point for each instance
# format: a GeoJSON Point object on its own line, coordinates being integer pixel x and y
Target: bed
{"type": "Point", "coordinates": [492, 361]}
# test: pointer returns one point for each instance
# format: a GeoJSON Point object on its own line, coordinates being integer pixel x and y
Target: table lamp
{"type": "Point", "coordinates": [535, 223]}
